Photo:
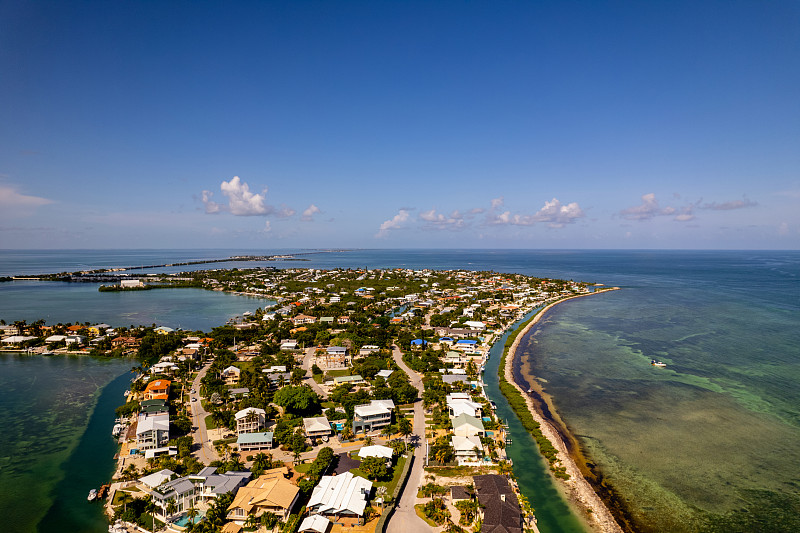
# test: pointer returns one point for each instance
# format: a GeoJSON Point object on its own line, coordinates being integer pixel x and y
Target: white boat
{"type": "Point", "coordinates": [658, 363]}
{"type": "Point", "coordinates": [92, 495]}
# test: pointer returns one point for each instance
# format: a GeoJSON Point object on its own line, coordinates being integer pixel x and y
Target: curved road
{"type": "Point", "coordinates": [405, 519]}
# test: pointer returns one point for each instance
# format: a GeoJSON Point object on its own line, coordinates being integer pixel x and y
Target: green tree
{"type": "Point", "coordinates": [374, 468]}
{"type": "Point", "coordinates": [297, 399]}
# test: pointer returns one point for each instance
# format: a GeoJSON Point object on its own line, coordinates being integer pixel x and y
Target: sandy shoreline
{"type": "Point", "coordinates": [578, 489]}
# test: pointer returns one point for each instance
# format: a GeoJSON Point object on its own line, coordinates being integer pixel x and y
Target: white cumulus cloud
{"type": "Point", "coordinates": [310, 211]}
{"type": "Point", "coordinates": [554, 214]}
{"type": "Point", "coordinates": [241, 201]}
{"type": "Point", "coordinates": [393, 223]}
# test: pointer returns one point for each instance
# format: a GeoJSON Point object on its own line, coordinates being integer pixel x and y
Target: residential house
{"type": "Point", "coordinates": [271, 492]}
{"type": "Point", "coordinates": [499, 505]}
{"type": "Point", "coordinates": [368, 349]}
{"type": "Point", "coordinates": [303, 319]}
{"type": "Point", "coordinates": [230, 375]}
{"type": "Point", "coordinates": [317, 427]}
{"type": "Point", "coordinates": [461, 402]}
{"type": "Point", "coordinates": [152, 430]}
{"type": "Point", "coordinates": [190, 491]}
{"type": "Point", "coordinates": [465, 425]}
{"type": "Point", "coordinates": [376, 450]}
{"type": "Point", "coordinates": [349, 380]}
{"type": "Point", "coordinates": [342, 496]}
{"type": "Point", "coordinates": [250, 420]}
{"type": "Point", "coordinates": [468, 449]}
{"type": "Point", "coordinates": [158, 389]}
{"type": "Point", "coordinates": [154, 407]}
{"type": "Point", "coordinates": [315, 524]}
{"type": "Point", "coordinates": [289, 344]}
{"type": "Point", "coordinates": [247, 442]}
{"type": "Point", "coordinates": [372, 416]}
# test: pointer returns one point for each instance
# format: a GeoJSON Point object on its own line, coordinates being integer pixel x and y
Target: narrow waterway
{"type": "Point", "coordinates": [552, 511]}
{"type": "Point", "coordinates": [90, 466]}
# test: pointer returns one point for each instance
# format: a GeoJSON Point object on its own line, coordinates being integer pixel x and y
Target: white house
{"type": "Point", "coordinates": [344, 495]}
{"type": "Point", "coordinates": [230, 375]}
{"type": "Point", "coordinates": [317, 427]}
{"type": "Point", "coordinates": [468, 449]}
{"type": "Point", "coordinates": [372, 416]}
{"type": "Point", "coordinates": [152, 431]}
{"type": "Point", "coordinates": [250, 420]}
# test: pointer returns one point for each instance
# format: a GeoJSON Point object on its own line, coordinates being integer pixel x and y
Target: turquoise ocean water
{"type": "Point", "coordinates": [709, 443]}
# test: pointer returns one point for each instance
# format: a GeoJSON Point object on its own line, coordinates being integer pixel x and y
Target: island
{"type": "Point", "coordinates": [355, 401]}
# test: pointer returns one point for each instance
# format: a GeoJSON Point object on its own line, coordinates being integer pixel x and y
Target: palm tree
{"type": "Point", "coordinates": [125, 497]}
{"type": "Point", "coordinates": [149, 507]}
{"type": "Point", "coordinates": [192, 513]}
{"type": "Point", "coordinates": [252, 522]}
{"type": "Point", "coordinates": [367, 441]}
{"type": "Point", "coordinates": [404, 427]}
{"type": "Point", "coordinates": [251, 418]}
{"type": "Point", "coordinates": [171, 507]}
{"type": "Point", "coordinates": [296, 455]}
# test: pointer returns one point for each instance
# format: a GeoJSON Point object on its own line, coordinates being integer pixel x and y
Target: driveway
{"type": "Point", "coordinates": [405, 519]}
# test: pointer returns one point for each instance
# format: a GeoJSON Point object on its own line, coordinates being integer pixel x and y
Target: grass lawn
{"type": "Point", "coordinates": [318, 378]}
{"type": "Point", "coordinates": [210, 423]}
{"type": "Point", "coordinates": [338, 373]}
{"type": "Point", "coordinates": [303, 468]}
{"type": "Point", "coordinates": [460, 471]}
{"type": "Point", "coordinates": [150, 521]}
{"type": "Point", "coordinates": [390, 484]}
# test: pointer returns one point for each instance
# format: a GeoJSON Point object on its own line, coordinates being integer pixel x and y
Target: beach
{"type": "Point", "coordinates": [578, 490]}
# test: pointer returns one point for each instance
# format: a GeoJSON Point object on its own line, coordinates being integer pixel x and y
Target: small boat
{"type": "Point", "coordinates": [530, 391]}
{"type": "Point", "coordinates": [658, 363]}
{"type": "Point", "coordinates": [92, 495]}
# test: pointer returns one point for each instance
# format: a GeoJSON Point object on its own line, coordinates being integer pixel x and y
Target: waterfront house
{"type": "Point", "coordinates": [80, 340]}
{"type": "Point", "coordinates": [461, 403]}
{"type": "Point", "coordinates": [190, 491]}
{"type": "Point", "coordinates": [271, 492]}
{"type": "Point", "coordinates": [468, 449]}
{"type": "Point", "coordinates": [465, 425]}
{"type": "Point", "coordinates": [157, 389]}
{"type": "Point", "coordinates": [499, 506]}
{"type": "Point", "coordinates": [152, 430]}
{"type": "Point", "coordinates": [156, 478]}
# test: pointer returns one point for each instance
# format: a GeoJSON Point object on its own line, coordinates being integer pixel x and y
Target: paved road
{"type": "Point", "coordinates": [206, 453]}
{"type": "Point", "coordinates": [308, 357]}
{"type": "Point", "coordinates": [405, 519]}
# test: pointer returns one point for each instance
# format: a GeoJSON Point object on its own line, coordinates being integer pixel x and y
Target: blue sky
{"type": "Point", "coordinates": [400, 124]}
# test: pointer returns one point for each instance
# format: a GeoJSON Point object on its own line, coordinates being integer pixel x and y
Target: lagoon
{"type": "Point", "coordinates": [61, 302]}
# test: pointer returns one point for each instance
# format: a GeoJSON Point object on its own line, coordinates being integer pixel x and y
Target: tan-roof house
{"type": "Point", "coordinates": [271, 492]}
